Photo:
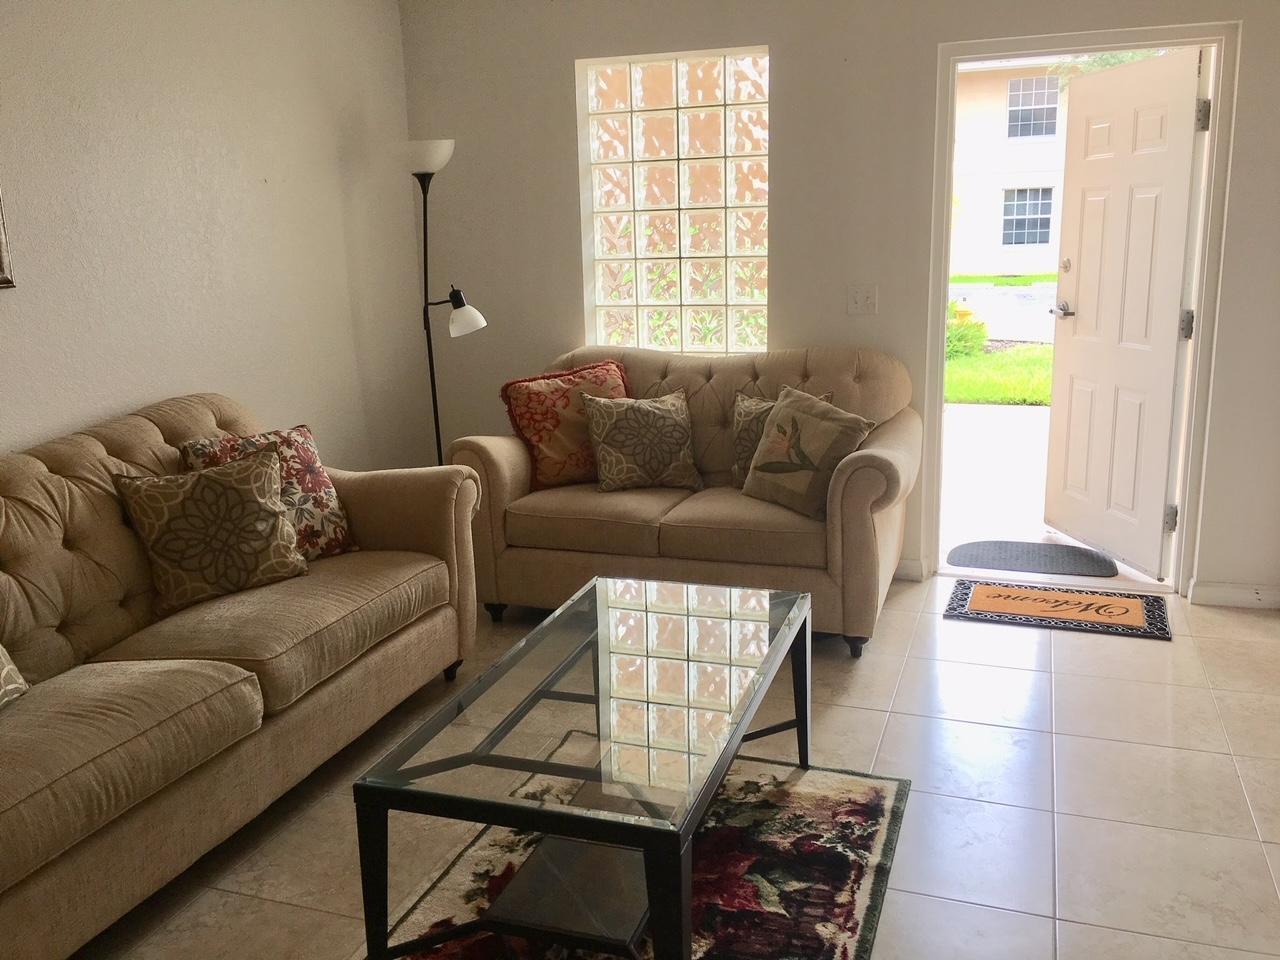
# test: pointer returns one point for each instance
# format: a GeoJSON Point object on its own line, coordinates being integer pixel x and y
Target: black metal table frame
{"type": "Point", "coordinates": [667, 851]}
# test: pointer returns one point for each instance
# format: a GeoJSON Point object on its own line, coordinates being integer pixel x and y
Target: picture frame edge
{"type": "Point", "coordinates": [6, 262]}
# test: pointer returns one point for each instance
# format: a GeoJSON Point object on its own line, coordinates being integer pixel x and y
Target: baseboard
{"type": "Point", "coordinates": [909, 569]}
{"type": "Point", "coordinates": [1220, 594]}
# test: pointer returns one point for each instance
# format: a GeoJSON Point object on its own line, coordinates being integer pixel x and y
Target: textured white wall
{"type": "Point", "coordinates": [205, 196]}
{"type": "Point", "coordinates": [851, 156]}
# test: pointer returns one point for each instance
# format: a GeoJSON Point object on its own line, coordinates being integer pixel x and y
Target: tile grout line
{"type": "Point", "coordinates": [1257, 827]}
{"type": "Point", "coordinates": [981, 723]}
{"type": "Point", "coordinates": [1081, 736]}
{"type": "Point", "coordinates": [1148, 826]}
{"type": "Point", "coordinates": [1090, 676]}
{"type": "Point", "coordinates": [1080, 923]}
{"type": "Point", "coordinates": [287, 903]}
{"type": "Point", "coordinates": [1053, 791]}
{"type": "Point", "coordinates": [1053, 811]}
{"type": "Point", "coordinates": [185, 904]}
{"type": "Point", "coordinates": [892, 697]}
{"type": "Point", "coordinates": [202, 889]}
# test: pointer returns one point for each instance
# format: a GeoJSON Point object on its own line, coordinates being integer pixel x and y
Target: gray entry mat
{"type": "Point", "coordinates": [1029, 557]}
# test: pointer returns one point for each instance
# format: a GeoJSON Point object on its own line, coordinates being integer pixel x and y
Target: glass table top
{"type": "Point", "coordinates": [618, 706]}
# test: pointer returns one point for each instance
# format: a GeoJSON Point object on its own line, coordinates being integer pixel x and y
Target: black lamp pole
{"type": "Point", "coordinates": [424, 181]}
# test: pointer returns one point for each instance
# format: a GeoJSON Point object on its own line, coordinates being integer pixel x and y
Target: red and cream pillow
{"type": "Point", "coordinates": [306, 491]}
{"type": "Point", "coordinates": [548, 414]}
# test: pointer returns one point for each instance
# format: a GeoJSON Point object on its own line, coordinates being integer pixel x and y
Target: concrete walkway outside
{"type": "Point", "coordinates": [993, 472]}
{"type": "Point", "coordinates": [994, 460]}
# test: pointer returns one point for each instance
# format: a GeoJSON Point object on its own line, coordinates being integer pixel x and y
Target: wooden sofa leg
{"type": "Point", "coordinates": [451, 671]}
{"type": "Point", "coordinates": [495, 611]}
{"type": "Point", "coordinates": [855, 645]}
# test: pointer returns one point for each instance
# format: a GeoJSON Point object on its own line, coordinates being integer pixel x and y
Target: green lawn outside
{"type": "Point", "coordinates": [1019, 376]}
{"type": "Point", "coordinates": [1005, 280]}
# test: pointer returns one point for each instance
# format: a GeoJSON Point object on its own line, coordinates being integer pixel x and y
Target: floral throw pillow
{"type": "Point", "coordinates": [213, 532]}
{"type": "Point", "coordinates": [643, 443]}
{"type": "Point", "coordinates": [547, 413]}
{"type": "Point", "coordinates": [804, 439]}
{"type": "Point", "coordinates": [749, 415]}
{"type": "Point", "coordinates": [305, 488]}
{"type": "Point", "coordinates": [12, 685]}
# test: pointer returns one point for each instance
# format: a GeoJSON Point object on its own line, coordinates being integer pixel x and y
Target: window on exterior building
{"type": "Point", "coordinates": [1033, 107]}
{"type": "Point", "coordinates": [1027, 212]}
{"type": "Point", "coordinates": [676, 169]}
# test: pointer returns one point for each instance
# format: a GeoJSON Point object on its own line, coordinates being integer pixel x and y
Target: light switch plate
{"type": "Point", "coordinates": [862, 299]}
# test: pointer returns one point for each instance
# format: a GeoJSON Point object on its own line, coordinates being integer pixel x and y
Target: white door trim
{"type": "Point", "coordinates": [1224, 39]}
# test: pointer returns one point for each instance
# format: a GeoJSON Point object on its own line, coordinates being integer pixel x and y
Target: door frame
{"type": "Point", "coordinates": [1209, 203]}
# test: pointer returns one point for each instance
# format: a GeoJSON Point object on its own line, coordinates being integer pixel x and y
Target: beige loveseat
{"type": "Point", "coordinates": [142, 743]}
{"type": "Point", "coordinates": [536, 548]}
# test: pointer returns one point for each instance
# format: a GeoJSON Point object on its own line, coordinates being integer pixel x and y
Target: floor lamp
{"type": "Point", "coordinates": [426, 159]}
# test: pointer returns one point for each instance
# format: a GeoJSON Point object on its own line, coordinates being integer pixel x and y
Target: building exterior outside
{"type": "Point", "coordinates": [1010, 138]}
{"type": "Point", "coordinates": [1010, 148]}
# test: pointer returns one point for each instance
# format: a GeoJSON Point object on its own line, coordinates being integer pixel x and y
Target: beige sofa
{"type": "Point", "coordinates": [536, 548]}
{"type": "Point", "coordinates": [143, 743]}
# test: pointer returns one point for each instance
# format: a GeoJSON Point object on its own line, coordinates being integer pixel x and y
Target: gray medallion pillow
{"type": "Point", "coordinates": [749, 415]}
{"type": "Point", "coordinates": [804, 438]}
{"type": "Point", "coordinates": [642, 443]}
{"type": "Point", "coordinates": [213, 532]}
{"type": "Point", "coordinates": [12, 686]}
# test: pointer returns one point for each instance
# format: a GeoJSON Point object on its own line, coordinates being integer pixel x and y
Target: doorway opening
{"type": "Point", "coordinates": [1077, 196]}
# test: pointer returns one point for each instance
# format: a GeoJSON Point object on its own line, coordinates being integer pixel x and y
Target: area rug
{"type": "Point", "coordinates": [1031, 557]}
{"type": "Point", "coordinates": [787, 863]}
{"type": "Point", "coordinates": [1062, 608]}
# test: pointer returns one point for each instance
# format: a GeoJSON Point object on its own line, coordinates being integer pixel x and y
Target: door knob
{"type": "Point", "coordinates": [1063, 309]}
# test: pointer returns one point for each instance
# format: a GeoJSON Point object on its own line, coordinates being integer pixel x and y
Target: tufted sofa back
{"type": "Point", "coordinates": [866, 382]}
{"type": "Point", "coordinates": [74, 579]}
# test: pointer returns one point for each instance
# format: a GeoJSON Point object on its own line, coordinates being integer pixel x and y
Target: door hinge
{"type": "Point", "coordinates": [1204, 108]}
{"type": "Point", "coordinates": [1187, 324]}
{"type": "Point", "coordinates": [1171, 518]}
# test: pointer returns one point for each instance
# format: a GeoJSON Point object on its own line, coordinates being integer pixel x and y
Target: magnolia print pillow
{"type": "Point", "coordinates": [804, 439]}
{"type": "Point", "coordinates": [749, 415]}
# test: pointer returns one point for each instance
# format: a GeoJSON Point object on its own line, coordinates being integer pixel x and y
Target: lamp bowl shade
{"type": "Point", "coordinates": [429, 156]}
{"type": "Point", "coordinates": [465, 320]}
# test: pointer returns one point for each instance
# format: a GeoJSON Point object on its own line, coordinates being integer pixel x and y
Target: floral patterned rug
{"type": "Point", "coordinates": [788, 863]}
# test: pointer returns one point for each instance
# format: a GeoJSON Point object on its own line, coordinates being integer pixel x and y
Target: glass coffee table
{"type": "Point", "coordinates": [628, 704]}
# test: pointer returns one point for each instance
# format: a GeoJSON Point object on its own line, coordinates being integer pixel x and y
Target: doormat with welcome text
{"type": "Point", "coordinates": [1062, 608]}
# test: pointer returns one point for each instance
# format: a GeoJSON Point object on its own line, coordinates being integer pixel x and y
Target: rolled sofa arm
{"type": "Point", "coordinates": [505, 476]}
{"type": "Point", "coordinates": [424, 509]}
{"type": "Point", "coordinates": [893, 452]}
{"type": "Point", "coordinates": [866, 516]}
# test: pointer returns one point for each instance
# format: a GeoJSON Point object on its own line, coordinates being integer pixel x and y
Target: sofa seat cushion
{"type": "Point", "coordinates": [296, 633]}
{"type": "Point", "coordinates": [81, 748]}
{"type": "Point", "coordinates": [722, 523]}
{"type": "Point", "coordinates": [580, 517]}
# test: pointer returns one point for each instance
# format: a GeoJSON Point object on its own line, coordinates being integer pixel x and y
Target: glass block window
{"type": "Point", "coordinates": [1027, 212]}
{"type": "Point", "coordinates": [1033, 107]}
{"type": "Point", "coordinates": [677, 167]}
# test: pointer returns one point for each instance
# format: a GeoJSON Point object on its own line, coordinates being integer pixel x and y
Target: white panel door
{"type": "Point", "coordinates": [1126, 193]}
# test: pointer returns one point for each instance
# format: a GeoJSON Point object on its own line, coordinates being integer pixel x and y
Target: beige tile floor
{"type": "Point", "coordinates": [1074, 797]}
